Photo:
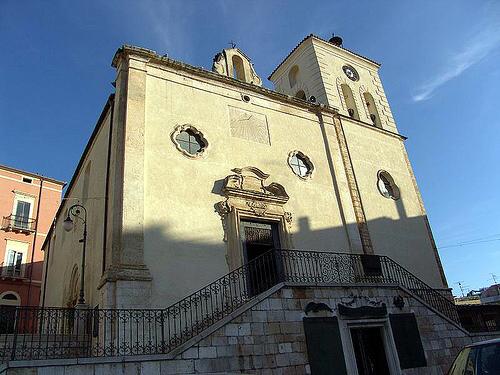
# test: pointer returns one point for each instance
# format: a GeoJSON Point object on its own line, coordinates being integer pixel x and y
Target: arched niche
{"type": "Point", "coordinates": [372, 109]}
{"type": "Point", "coordinates": [349, 101]}
{"type": "Point", "coordinates": [293, 75]}
{"type": "Point", "coordinates": [238, 68]}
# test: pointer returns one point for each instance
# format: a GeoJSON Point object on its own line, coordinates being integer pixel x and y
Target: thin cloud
{"type": "Point", "coordinates": [473, 52]}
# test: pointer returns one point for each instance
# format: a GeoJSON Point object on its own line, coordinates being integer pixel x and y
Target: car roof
{"type": "Point", "coordinates": [486, 342]}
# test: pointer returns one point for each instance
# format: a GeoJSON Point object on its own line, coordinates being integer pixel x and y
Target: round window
{"type": "Point", "coordinates": [189, 141]}
{"type": "Point", "coordinates": [350, 72]}
{"type": "Point", "coordinates": [386, 185]}
{"type": "Point", "coordinates": [300, 164]}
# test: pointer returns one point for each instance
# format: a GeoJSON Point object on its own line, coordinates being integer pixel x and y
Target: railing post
{"type": "Point", "coordinates": [162, 323]}
{"type": "Point", "coordinates": [279, 261]}
{"type": "Point", "coordinates": [14, 340]}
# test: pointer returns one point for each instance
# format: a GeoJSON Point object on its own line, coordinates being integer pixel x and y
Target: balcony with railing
{"type": "Point", "coordinates": [37, 333]}
{"type": "Point", "coordinates": [19, 224]}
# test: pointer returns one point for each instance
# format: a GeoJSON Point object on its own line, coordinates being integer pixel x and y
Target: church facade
{"type": "Point", "coordinates": [172, 222]}
{"type": "Point", "coordinates": [191, 174]}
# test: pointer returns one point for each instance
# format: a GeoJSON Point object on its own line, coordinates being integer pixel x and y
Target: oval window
{"type": "Point", "coordinates": [386, 185]}
{"type": "Point", "coordinates": [300, 164]}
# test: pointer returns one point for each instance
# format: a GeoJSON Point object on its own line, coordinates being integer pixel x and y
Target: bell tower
{"type": "Point", "coordinates": [232, 62]}
{"type": "Point", "coordinates": [326, 72]}
{"type": "Point", "coordinates": [385, 199]}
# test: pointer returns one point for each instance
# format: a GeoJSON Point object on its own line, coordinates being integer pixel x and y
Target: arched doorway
{"type": "Point", "coordinates": [8, 302]}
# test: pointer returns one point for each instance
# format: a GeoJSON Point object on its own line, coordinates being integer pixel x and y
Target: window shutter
{"type": "Point", "coordinates": [407, 339]}
{"type": "Point", "coordinates": [324, 346]}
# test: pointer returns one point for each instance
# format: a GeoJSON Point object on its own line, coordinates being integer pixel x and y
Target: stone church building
{"type": "Point", "coordinates": [192, 177]}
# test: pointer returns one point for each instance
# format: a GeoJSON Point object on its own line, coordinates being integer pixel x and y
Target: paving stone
{"type": "Point", "coordinates": [210, 365]}
{"type": "Point", "coordinates": [275, 316]}
{"type": "Point", "coordinates": [285, 347]}
{"type": "Point", "coordinates": [208, 352]}
{"type": "Point", "coordinates": [294, 316]}
{"type": "Point", "coordinates": [257, 329]}
{"type": "Point", "coordinates": [287, 293]}
{"type": "Point", "coordinates": [272, 328]}
{"type": "Point", "coordinates": [282, 360]}
{"type": "Point", "coordinates": [191, 353]}
{"type": "Point", "coordinates": [275, 304]}
{"type": "Point", "coordinates": [53, 370]}
{"type": "Point", "coordinates": [177, 367]}
{"type": "Point", "coordinates": [232, 340]}
{"type": "Point", "coordinates": [217, 340]}
{"type": "Point", "coordinates": [259, 316]}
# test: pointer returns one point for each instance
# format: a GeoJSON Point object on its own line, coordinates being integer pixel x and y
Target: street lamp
{"type": "Point", "coordinates": [68, 224]}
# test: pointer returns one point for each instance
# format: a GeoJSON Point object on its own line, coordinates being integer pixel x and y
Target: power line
{"type": "Point", "coordinates": [471, 242]}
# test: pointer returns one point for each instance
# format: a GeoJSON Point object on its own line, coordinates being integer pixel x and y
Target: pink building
{"type": "Point", "coordinates": [28, 203]}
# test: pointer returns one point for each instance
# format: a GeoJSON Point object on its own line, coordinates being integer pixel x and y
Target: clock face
{"type": "Point", "coordinates": [350, 72]}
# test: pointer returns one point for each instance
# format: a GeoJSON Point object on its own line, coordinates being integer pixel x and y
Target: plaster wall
{"type": "Point", "coordinates": [165, 239]}
{"type": "Point", "coordinates": [331, 60]}
{"type": "Point", "coordinates": [64, 247]}
{"type": "Point", "coordinates": [397, 227]}
{"type": "Point", "coordinates": [183, 235]}
{"type": "Point", "coordinates": [12, 187]}
{"type": "Point", "coordinates": [321, 72]}
{"type": "Point", "coordinates": [309, 74]}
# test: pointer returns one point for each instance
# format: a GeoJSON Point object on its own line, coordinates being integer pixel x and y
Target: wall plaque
{"type": "Point", "coordinates": [248, 125]}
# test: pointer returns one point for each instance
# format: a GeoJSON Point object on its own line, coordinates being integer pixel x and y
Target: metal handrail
{"type": "Point", "coordinates": [36, 333]}
{"type": "Point", "coordinates": [16, 222]}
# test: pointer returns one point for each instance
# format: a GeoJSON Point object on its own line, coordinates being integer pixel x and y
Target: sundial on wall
{"type": "Point", "coordinates": [248, 125]}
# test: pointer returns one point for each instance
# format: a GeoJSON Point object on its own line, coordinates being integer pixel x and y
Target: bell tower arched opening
{"type": "Point", "coordinates": [349, 101]}
{"type": "Point", "coordinates": [238, 68]}
{"type": "Point", "coordinates": [372, 109]}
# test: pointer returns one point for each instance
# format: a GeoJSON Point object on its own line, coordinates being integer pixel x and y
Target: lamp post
{"type": "Point", "coordinates": [76, 211]}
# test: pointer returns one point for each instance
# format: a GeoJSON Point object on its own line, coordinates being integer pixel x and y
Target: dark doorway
{"type": "Point", "coordinates": [369, 351]}
{"type": "Point", "coordinates": [263, 266]}
{"type": "Point", "coordinates": [7, 319]}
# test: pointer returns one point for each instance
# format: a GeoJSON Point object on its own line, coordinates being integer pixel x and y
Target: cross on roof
{"type": "Point", "coordinates": [232, 43]}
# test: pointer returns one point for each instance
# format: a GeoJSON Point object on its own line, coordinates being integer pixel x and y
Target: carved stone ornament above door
{"type": "Point", "coordinates": [249, 196]}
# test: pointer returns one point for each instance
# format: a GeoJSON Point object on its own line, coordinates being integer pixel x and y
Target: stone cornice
{"type": "Point", "coordinates": [317, 38]}
{"type": "Point", "coordinates": [152, 57]}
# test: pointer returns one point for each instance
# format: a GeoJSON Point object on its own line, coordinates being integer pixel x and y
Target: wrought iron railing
{"type": "Point", "coordinates": [36, 333]}
{"type": "Point", "coordinates": [18, 223]}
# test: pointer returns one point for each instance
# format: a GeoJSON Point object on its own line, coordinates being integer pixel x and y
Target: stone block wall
{"type": "Point", "coordinates": [268, 338]}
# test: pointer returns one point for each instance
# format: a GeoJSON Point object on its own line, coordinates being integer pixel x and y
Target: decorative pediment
{"type": "Point", "coordinates": [249, 182]}
{"type": "Point", "coordinates": [248, 194]}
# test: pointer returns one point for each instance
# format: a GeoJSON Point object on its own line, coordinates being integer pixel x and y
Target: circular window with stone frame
{"type": "Point", "coordinates": [351, 73]}
{"type": "Point", "coordinates": [300, 164]}
{"type": "Point", "coordinates": [386, 185]}
{"type": "Point", "coordinates": [189, 141]}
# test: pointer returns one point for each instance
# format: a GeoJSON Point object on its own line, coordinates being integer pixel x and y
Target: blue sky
{"type": "Point", "coordinates": [440, 71]}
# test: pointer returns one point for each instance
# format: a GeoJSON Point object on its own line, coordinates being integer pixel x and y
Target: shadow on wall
{"type": "Point", "coordinates": [180, 267]}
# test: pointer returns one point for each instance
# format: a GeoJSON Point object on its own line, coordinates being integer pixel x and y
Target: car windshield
{"type": "Point", "coordinates": [489, 359]}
